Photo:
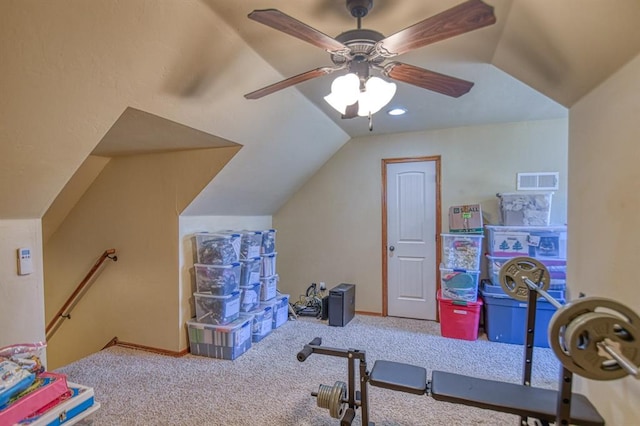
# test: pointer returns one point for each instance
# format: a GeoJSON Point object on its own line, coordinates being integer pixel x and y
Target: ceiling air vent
{"type": "Point", "coordinates": [537, 181]}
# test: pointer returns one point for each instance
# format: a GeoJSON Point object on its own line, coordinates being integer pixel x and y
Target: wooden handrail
{"type": "Point", "coordinates": [75, 296]}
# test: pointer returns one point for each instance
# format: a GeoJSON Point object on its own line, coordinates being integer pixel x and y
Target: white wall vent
{"type": "Point", "coordinates": [538, 181]}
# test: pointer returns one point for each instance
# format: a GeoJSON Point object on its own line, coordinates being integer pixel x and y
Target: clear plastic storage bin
{"type": "Point", "coordinates": [461, 251]}
{"type": "Point", "coordinates": [280, 307]}
{"type": "Point", "coordinates": [250, 270]}
{"type": "Point", "coordinates": [269, 287]}
{"type": "Point", "coordinates": [549, 242]}
{"type": "Point", "coordinates": [217, 279]}
{"type": "Point", "coordinates": [268, 241]}
{"type": "Point", "coordinates": [459, 284]}
{"type": "Point", "coordinates": [262, 322]}
{"type": "Point", "coordinates": [217, 309]}
{"type": "Point", "coordinates": [251, 244]}
{"type": "Point", "coordinates": [227, 341]}
{"type": "Point", "coordinates": [249, 297]}
{"type": "Point", "coordinates": [268, 265]}
{"type": "Point", "coordinates": [525, 208]}
{"type": "Point", "coordinates": [217, 248]}
{"type": "Point", "coordinates": [557, 270]}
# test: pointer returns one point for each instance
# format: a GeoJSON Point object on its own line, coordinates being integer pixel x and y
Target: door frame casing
{"type": "Point", "coordinates": [385, 162]}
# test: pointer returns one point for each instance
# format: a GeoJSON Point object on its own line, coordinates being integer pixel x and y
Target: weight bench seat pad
{"type": "Point", "coordinates": [510, 398]}
{"type": "Point", "coordinates": [398, 376]}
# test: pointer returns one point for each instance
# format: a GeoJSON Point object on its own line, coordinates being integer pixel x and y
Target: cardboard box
{"type": "Point", "coordinates": [466, 219]}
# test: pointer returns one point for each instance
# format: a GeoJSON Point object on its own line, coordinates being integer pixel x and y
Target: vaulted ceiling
{"type": "Point", "coordinates": [70, 69]}
{"type": "Point", "coordinates": [537, 59]}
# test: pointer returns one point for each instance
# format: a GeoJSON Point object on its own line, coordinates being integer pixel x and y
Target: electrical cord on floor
{"type": "Point", "coordinates": [310, 304]}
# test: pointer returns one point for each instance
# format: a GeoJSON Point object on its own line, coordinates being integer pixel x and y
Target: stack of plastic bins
{"type": "Point", "coordinates": [547, 244]}
{"type": "Point", "coordinates": [217, 297]}
{"type": "Point", "coordinates": [460, 267]}
{"type": "Point", "coordinates": [505, 317]}
{"type": "Point", "coordinates": [459, 275]}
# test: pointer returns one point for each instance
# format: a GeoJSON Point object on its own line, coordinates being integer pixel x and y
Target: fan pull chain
{"type": "Point", "coordinates": [370, 122]}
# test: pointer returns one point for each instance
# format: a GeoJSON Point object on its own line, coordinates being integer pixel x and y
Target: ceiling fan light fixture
{"type": "Point", "coordinates": [345, 91]}
{"type": "Point", "coordinates": [377, 94]}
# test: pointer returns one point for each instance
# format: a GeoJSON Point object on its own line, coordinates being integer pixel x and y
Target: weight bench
{"type": "Point", "coordinates": [493, 395]}
{"type": "Point", "coordinates": [399, 377]}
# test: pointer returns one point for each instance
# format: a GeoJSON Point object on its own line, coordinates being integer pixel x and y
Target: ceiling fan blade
{"type": "Point", "coordinates": [465, 17]}
{"type": "Point", "coordinates": [300, 78]}
{"type": "Point", "coordinates": [285, 23]}
{"type": "Point", "coordinates": [426, 79]}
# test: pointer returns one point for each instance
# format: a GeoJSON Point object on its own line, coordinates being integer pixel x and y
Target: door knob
{"type": "Point", "coordinates": [391, 248]}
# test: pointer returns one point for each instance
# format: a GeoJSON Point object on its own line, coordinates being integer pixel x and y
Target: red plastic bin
{"type": "Point", "coordinates": [459, 320]}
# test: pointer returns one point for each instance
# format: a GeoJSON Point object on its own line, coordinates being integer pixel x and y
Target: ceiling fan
{"type": "Point", "coordinates": [361, 50]}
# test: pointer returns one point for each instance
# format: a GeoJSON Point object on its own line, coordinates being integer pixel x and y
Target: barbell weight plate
{"type": "Point", "coordinates": [585, 331]}
{"type": "Point", "coordinates": [568, 342]}
{"type": "Point", "coordinates": [514, 272]}
{"type": "Point", "coordinates": [332, 397]}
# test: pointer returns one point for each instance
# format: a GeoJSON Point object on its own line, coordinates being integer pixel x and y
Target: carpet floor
{"type": "Point", "coordinates": [268, 386]}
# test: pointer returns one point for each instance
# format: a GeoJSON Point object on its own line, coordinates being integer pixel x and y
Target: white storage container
{"type": "Point", "coordinates": [548, 242]}
{"type": "Point", "coordinates": [220, 341]}
{"type": "Point", "coordinates": [262, 322]}
{"type": "Point", "coordinates": [217, 279]}
{"type": "Point", "coordinates": [525, 208]}
{"type": "Point", "coordinates": [268, 265]}
{"type": "Point", "coordinates": [269, 287]}
{"type": "Point", "coordinates": [251, 244]}
{"type": "Point", "coordinates": [217, 248]}
{"type": "Point", "coordinates": [268, 241]}
{"type": "Point", "coordinates": [217, 309]}
{"type": "Point", "coordinates": [557, 270]}
{"type": "Point", "coordinates": [459, 284]}
{"type": "Point", "coordinates": [280, 307]}
{"type": "Point", "coordinates": [250, 270]}
{"type": "Point", "coordinates": [461, 251]}
{"type": "Point", "coordinates": [249, 297]}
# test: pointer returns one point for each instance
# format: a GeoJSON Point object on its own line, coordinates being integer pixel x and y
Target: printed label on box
{"type": "Point", "coordinates": [232, 307]}
{"type": "Point", "coordinates": [243, 334]}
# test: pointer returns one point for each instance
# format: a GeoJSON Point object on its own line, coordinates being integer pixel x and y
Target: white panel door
{"type": "Point", "coordinates": [411, 239]}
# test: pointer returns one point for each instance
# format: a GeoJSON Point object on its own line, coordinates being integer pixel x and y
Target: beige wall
{"type": "Point", "coordinates": [330, 230]}
{"type": "Point", "coordinates": [132, 206]}
{"type": "Point", "coordinates": [21, 297]}
{"type": "Point", "coordinates": [189, 225]}
{"type": "Point", "coordinates": [604, 243]}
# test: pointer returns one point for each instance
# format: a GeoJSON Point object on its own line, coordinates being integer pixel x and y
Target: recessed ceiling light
{"type": "Point", "coordinates": [397, 111]}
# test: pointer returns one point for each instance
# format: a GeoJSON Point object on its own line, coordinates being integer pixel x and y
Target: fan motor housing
{"type": "Point", "coordinates": [361, 44]}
